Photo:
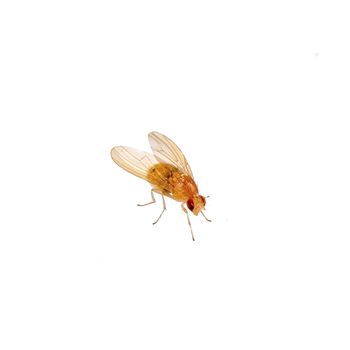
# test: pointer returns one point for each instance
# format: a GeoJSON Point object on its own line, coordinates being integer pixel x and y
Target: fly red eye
{"type": "Point", "coordinates": [190, 204]}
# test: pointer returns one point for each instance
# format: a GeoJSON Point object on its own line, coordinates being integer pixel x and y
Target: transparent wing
{"type": "Point", "coordinates": [166, 151]}
{"type": "Point", "coordinates": [133, 161]}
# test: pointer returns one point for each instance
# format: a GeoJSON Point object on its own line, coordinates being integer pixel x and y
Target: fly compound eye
{"type": "Point", "coordinates": [190, 204]}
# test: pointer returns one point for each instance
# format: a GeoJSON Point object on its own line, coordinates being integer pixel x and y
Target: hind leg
{"type": "Point", "coordinates": [164, 209]}
{"type": "Point", "coordinates": [153, 200]}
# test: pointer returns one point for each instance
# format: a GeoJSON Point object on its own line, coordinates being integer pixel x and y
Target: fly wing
{"type": "Point", "coordinates": [166, 151]}
{"type": "Point", "coordinates": [133, 161]}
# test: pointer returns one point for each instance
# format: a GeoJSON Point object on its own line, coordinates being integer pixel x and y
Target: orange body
{"type": "Point", "coordinates": [170, 181]}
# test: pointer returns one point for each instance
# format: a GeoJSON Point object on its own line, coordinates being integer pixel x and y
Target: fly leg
{"type": "Point", "coordinates": [188, 218]}
{"type": "Point", "coordinates": [164, 208]}
{"type": "Point", "coordinates": [153, 200]}
{"type": "Point", "coordinates": [205, 217]}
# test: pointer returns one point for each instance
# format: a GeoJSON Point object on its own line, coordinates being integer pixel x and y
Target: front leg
{"type": "Point", "coordinates": [205, 216]}
{"type": "Point", "coordinates": [188, 218]}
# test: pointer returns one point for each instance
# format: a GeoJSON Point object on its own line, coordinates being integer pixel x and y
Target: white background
{"type": "Point", "coordinates": [256, 94]}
